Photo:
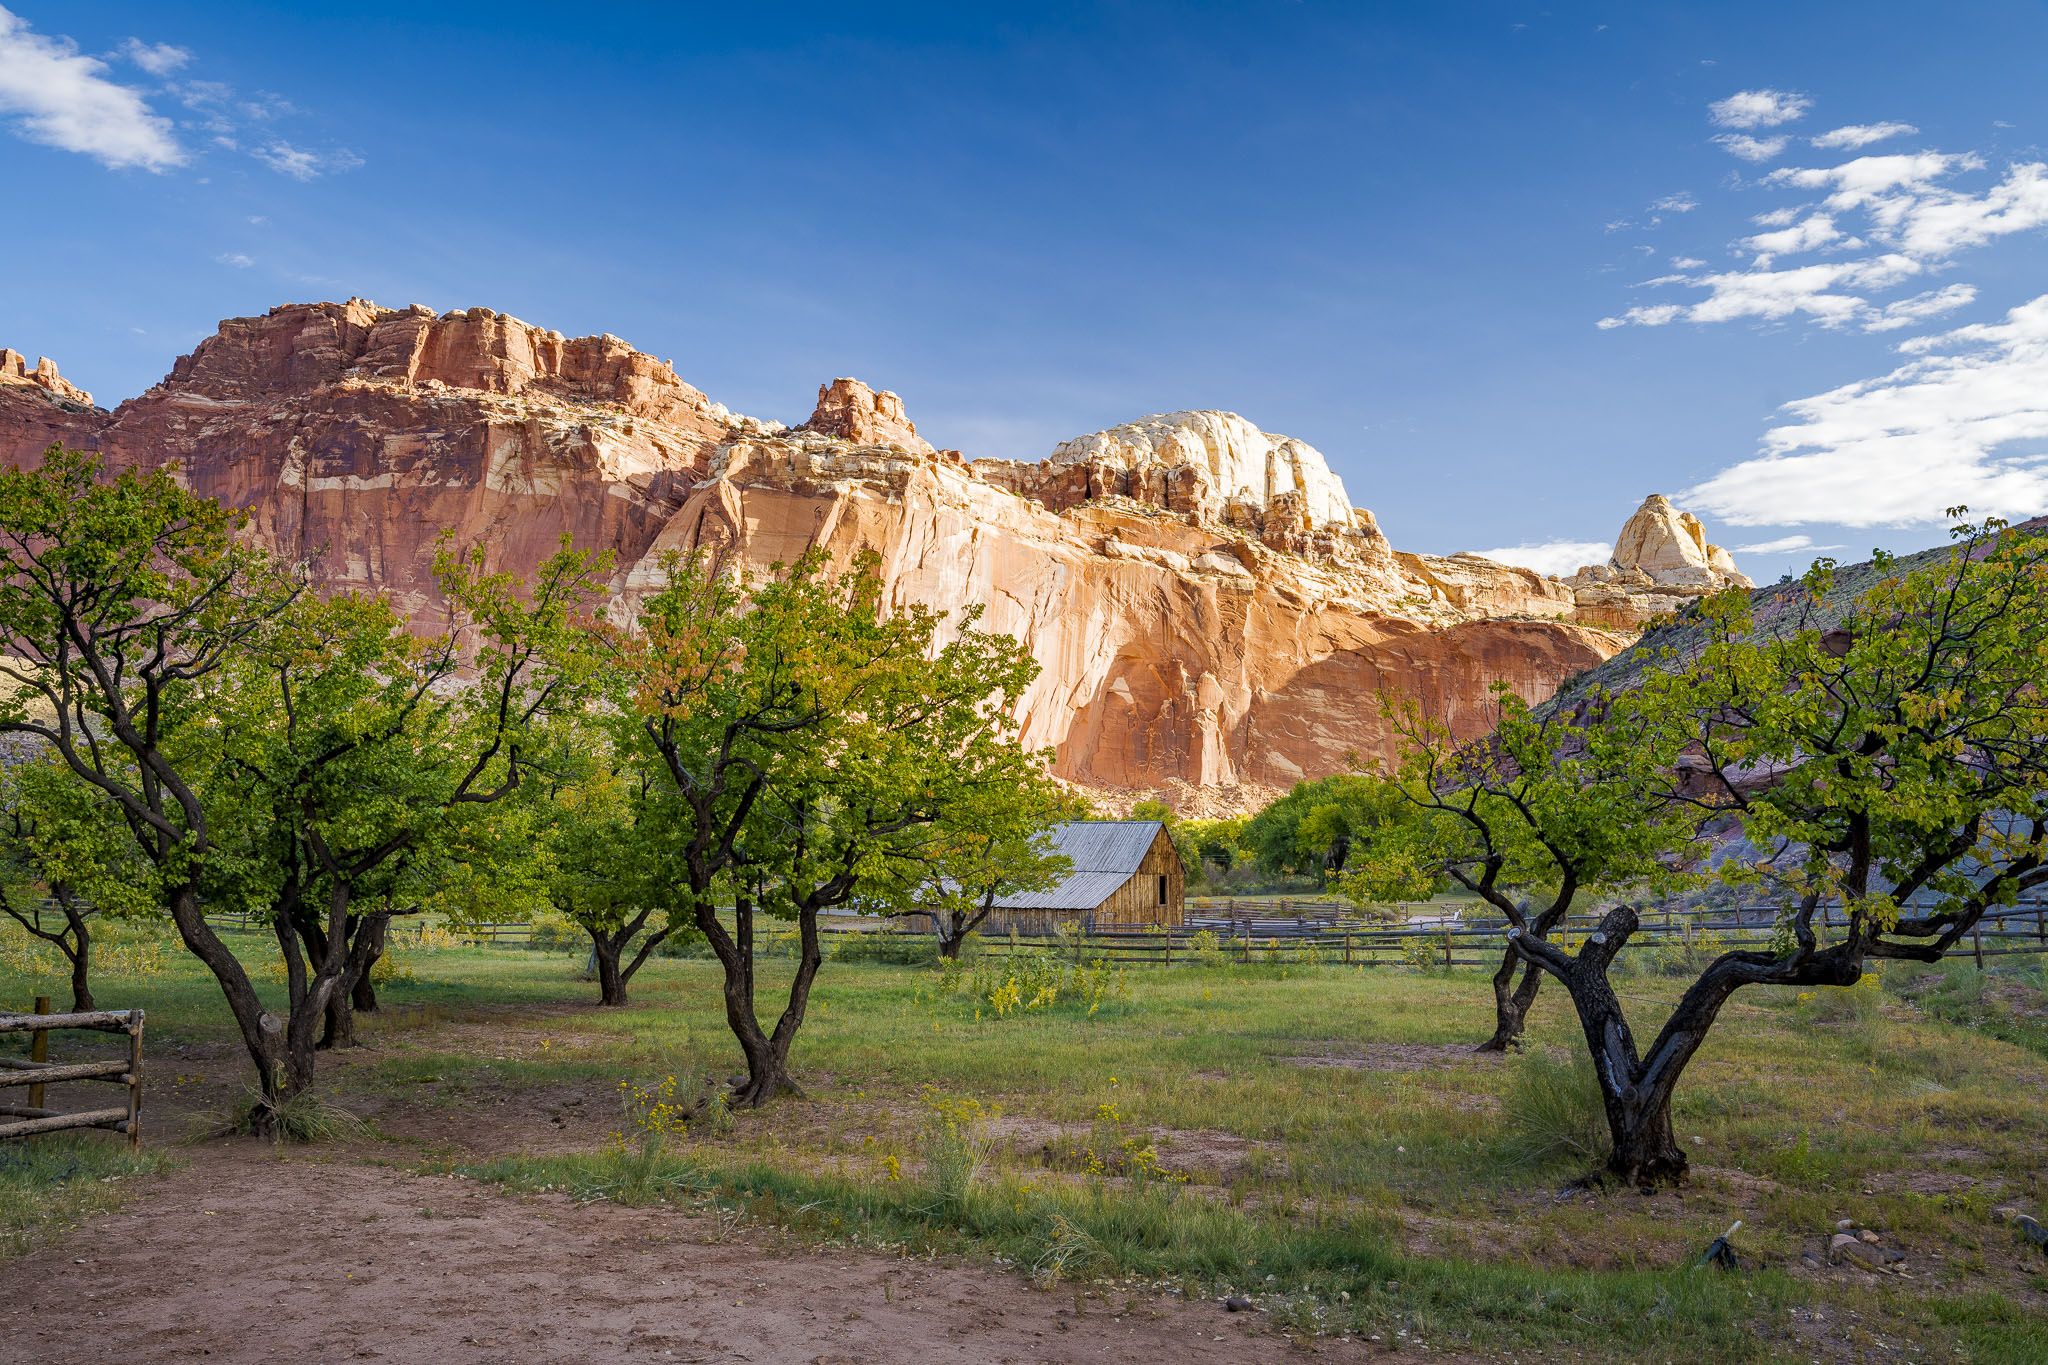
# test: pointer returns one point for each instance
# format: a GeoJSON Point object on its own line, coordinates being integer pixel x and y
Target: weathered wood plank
{"type": "Point", "coordinates": [51, 1072]}
{"type": "Point", "coordinates": [117, 1119]}
{"type": "Point", "coordinates": [109, 1021]}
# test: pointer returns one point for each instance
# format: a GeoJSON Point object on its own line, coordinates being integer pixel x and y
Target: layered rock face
{"type": "Point", "coordinates": [1661, 563]}
{"type": "Point", "coordinates": [1206, 605]}
{"type": "Point", "coordinates": [38, 406]}
{"type": "Point", "coordinates": [851, 411]}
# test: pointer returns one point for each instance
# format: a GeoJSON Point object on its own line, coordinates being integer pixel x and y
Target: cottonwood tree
{"type": "Point", "coordinates": [1531, 819]}
{"type": "Point", "coordinates": [809, 738]}
{"type": "Point", "coordinates": [1893, 770]}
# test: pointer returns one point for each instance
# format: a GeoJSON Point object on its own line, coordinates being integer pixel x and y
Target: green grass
{"type": "Point", "coordinates": [1412, 1193]}
{"type": "Point", "coordinates": [50, 1183]}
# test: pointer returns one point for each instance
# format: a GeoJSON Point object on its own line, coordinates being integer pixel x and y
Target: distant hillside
{"type": "Point", "coordinates": [1780, 608]}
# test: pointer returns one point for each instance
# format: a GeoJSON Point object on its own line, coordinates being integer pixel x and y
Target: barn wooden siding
{"type": "Point", "coordinates": [1135, 904]}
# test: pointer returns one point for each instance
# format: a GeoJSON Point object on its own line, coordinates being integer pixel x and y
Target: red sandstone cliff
{"type": "Point", "coordinates": [1205, 603]}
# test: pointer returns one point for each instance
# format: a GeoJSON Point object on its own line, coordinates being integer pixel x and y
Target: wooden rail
{"type": "Point", "coordinates": [37, 1071]}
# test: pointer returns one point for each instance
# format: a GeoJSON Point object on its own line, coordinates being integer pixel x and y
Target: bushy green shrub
{"type": "Point", "coordinates": [554, 933]}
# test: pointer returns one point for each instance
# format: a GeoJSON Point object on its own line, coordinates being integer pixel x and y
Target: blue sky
{"type": "Point", "coordinates": [1511, 268]}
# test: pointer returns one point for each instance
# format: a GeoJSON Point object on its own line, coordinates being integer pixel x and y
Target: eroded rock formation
{"type": "Point", "coordinates": [1207, 605]}
{"type": "Point", "coordinates": [1661, 563]}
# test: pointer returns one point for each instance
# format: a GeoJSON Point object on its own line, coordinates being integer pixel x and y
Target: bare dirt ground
{"type": "Point", "coordinates": [239, 1256]}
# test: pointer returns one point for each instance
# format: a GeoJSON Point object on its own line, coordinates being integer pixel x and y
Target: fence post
{"type": "Point", "coordinates": [39, 1051]}
{"type": "Point", "coordinates": [134, 1080]}
{"type": "Point", "coordinates": [1347, 947]}
{"type": "Point", "coordinates": [1169, 945]}
{"type": "Point", "coordinates": [1245, 937]}
{"type": "Point", "coordinates": [1977, 937]}
{"type": "Point", "coordinates": [1447, 945]}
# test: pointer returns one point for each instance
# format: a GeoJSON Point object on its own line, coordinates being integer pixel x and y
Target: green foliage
{"type": "Point", "coordinates": [814, 748]}
{"type": "Point", "coordinates": [1313, 830]}
{"type": "Point", "coordinates": [1915, 735]}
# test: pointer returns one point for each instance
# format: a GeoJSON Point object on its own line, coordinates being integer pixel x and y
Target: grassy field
{"type": "Point", "coordinates": [1319, 1140]}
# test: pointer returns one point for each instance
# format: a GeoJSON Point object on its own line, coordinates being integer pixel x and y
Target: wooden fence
{"type": "Point", "coordinates": [1306, 931]}
{"type": "Point", "coordinates": [38, 1071]}
{"type": "Point", "coordinates": [1447, 942]}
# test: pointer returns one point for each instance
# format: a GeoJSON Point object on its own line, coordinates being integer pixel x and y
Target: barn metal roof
{"type": "Point", "coordinates": [1105, 854]}
{"type": "Point", "coordinates": [1082, 891]}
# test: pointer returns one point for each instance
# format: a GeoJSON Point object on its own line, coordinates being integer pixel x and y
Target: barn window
{"type": "Point", "coordinates": [1162, 889]}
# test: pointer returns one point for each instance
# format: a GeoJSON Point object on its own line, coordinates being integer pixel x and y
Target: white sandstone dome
{"type": "Point", "coordinates": [1240, 463]}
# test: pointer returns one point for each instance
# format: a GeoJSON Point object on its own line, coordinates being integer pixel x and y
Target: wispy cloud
{"type": "Point", "coordinates": [1933, 304]}
{"type": "Point", "coordinates": [1833, 293]}
{"type": "Point", "coordinates": [1558, 558]}
{"type": "Point", "coordinates": [1759, 108]}
{"type": "Point", "coordinates": [1751, 148]}
{"type": "Point", "coordinates": [1862, 135]}
{"type": "Point", "coordinates": [1963, 424]}
{"type": "Point", "coordinates": [1675, 203]}
{"type": "Point", "coordinates": [62, 98]}
{"type": "Point", "coordinates": [158, 59]}
{"type": "Point", "coordinates": [1782, 545]}
{"type": "Point", "coordinates": [303, 164]}
{"type": "Point", "coordinates": [235, 259]}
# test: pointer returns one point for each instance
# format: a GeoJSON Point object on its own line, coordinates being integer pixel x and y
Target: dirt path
{"type": "Point", "coordinates": [240, 1257]}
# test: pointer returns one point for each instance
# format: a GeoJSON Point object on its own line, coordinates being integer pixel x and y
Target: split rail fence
{"type": "Point", "coordinates": [37, 1071]}
{"type": "Point", "coordinates": [1438, 940]}
{"type": "Point", "coordinates": [1419, 933]}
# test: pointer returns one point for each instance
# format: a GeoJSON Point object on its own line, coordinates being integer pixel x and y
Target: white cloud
{"type": "Point", "coordinates": [1862, 135]}
{"type": "Point", "coordinates": [1688, 263]}
{"type": "Point", "coordinates": [1921, 307]}
{"type": "Point", "coordinates": [1967, 425]}
{"type": "Point", "coordinates": [235, 259]}
{"type": "Point", "coordinates": [1559, 558]}
{"type": "Point", "coordinates": [1944, 223]}
{"type": "Point", "coordinates": [1816, 231]}
{"type": "Point", "coordinates": [1675, 203]}
{"type": "Point", "coordinates": [1876, 181]}
{"type": "Point", "coordinates": [64, 100]}
{"type": "Point", "coordinates": [302, 164]}
{"type": "Point", "coordinates": [1775, 547]}
{"type": "Point", "coordinates": [1820, 291]}
{"type": "Point", "coordinates": [158, 59]}
{"type": "Point", "coordinates": [1751, 148]}
{"type": "Point", "coordinates": [1759, 108]}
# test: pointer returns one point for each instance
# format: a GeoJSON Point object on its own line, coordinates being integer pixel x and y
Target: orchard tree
{"type": "Point", "coordinates": [159, 659]}
{"type": "Point", "coordinates": [117, 600]}
{"type": "Point", "coordinates": [1530, 819]}
{"type": "Point", "coordinates": [984, 850]}
{"type": "Point", "coordinates": [1893, 769]}
{"type": "Point", "coordinates": [811, 739]}
{"type": "Point", "coordinates": [67, 860]}
{"type": "Point", "coordinates": [607, 870]}
{"type": "Point", "coordinates": [357, 765]}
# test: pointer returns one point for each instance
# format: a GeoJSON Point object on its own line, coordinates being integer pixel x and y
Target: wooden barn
{"type": "Point", "coordinates": [1126, 876]}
